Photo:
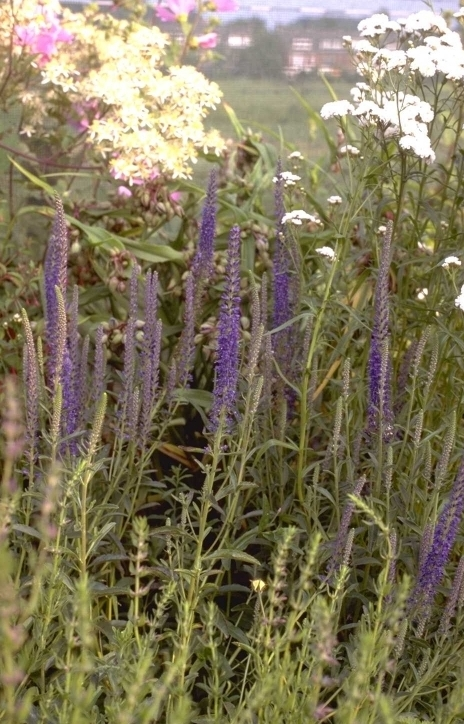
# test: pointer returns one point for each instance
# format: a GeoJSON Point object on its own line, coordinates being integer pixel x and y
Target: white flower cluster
{"type": "Point", "coordinates": [326, 251]}
{"type": "Point", "coordinates": [377, 24]}
{"type": "Point", "coordinates": [298, 216]}
{"type": "Point", "coordinates": [451, 261]}
{"type": "Point", "coordinates": [433, 47]}
{"type": "Point", "coordinates": [459, 301]}
{"type": "Point", "coordinates": [349, 150]}
{"type": "Point", "coordinates": [423, 21]}
{"type": "Point", "coordinates": [288, 178]}
{"type": "Point", "coordinates": [399, 115]}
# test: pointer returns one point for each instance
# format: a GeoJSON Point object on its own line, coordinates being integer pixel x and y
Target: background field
{"type": "Point", "coordinates": [273, 108]}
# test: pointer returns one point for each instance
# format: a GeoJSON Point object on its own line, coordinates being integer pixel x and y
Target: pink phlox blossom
{"type": "Point", "coordinates": [225, 6]}
{"type": "Point", "coordinates": [131, 175]}
{"type": "Point", "coordinates": [207, 41]}
{"type": "Point", "coordinates": [87, 112]}
{"type": "Point", "coordinates": [42, 38]}
{"type": "Point", "coordinates": [173, 9]}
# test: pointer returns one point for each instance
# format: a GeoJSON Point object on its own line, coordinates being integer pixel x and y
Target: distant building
{"type": "Point", "coordinates": [239, 41]}
{"type": "Point", "coordinates": [318, 52]}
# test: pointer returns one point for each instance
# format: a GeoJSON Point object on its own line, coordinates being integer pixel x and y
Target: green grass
{"type": "Point", "coordinates": [273, 108]}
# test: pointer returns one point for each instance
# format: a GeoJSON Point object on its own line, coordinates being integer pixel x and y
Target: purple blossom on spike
{"type": "Point", "coordinates": [186, 348]}
{"type": "Point", "coordinates": [81, 392]}
{"type": "Point", "coordinates": [380, 412]}
{"type": "Point", "coordinates": [282, 311]}
{"type": "Point", "coordinates": [227, 355]}
{"type": "Point", "coordinates": [55, 275]}
{"type": "Point", "coordinates": [69, 412]}
{"type": "Point", "coordinates": [285, 293]}
{"type": "Point", "coordinates": [129, 349]}
{"type": "Point", "coordinates": [203, 261]}
{"type": "Point", "coordinates": [453, 597]}
{"type": "Point", "coordinates": [70, 375]}
{"type": "Point", "coordinates": [433, 564]}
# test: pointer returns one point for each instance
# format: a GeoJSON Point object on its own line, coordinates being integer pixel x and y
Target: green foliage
{"type": "Point", "coordinates": [265, 574]}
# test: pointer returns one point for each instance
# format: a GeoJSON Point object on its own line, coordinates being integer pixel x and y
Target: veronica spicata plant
{"type": "Point", "coordinates": [211, 552]}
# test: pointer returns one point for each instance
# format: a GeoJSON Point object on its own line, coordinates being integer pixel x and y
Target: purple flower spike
{"type": "Point", "coordinates": [433, 564]}
{"type": "Point", "coordinates": [130, 346]}
{"type": "Point", "coordinates": [227, 358]}
{"type": "Point", "coordinates": [282, 311]}
{"type": "Point", "coordinates": [285, 295]}
{"type": "Point", "coordinates": [203, 262]}
{"type": "Point", "coordinates": [186, 349]}
{"type": "Point", "coordinates": [55, 275]}
{"type": "Point", "coordinates": [70, 375]}
{"type": "Point", "coordinates": [380, 412]}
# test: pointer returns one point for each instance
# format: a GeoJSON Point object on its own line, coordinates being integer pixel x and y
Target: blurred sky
{"type": "Point", "coordinates": [276, 11]}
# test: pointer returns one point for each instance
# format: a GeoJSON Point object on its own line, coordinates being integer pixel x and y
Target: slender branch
{"type": "Point", "coordinates": [47, 162]}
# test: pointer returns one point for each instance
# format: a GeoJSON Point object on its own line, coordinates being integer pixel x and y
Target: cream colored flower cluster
{"type": "Point", "coordinates": [143, 118]}
{"type": "Point", "coordinates": [20, 12]}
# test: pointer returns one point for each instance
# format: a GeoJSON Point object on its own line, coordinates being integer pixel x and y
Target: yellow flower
{"type": "Point", "coordinates": [258, 585]}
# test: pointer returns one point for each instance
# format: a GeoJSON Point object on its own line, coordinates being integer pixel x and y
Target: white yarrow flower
{"type": "Point", "coordinates": [377, 24]}
{"type": "Point", "coordinates": [350, 150]}
{"type": "Point", "coordinates": [298, 216]}
{"type": "Point", "coordinates": [420, 145]}
{"type": "Point", "coordinates": [459, 301]}
{"type": "Point", "coordinates": [334, 200]}
{"type": "Point", "coordinates": [326, 251]}
{"type": "Point", "coordinates": [423, 60]}
{"type": "Point", "coordinates": [288, 178]}
{"type": "Point", "coordinates": [422, 293]}
{"type": "Point", "coordinates": [390, 59]}
{"type": "Point", "coordinates": [451, 261]}
{"type": "Point", "coordinates": [364, 46]}
{"type": "Point", "coordinates": [296, 154]}
{"type": "Point", "coordinates": [336, 108]}
{"type": "Point", "coordinates": [425, 20]}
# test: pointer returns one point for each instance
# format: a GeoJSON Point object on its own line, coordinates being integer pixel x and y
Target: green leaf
{"type": "Point", "coordinates": [97, 236]}
{"type": "Point", "coordinates": [27, 530]}
{"type": "Point", "coordinates": [237, 126]}
{"type": "Point", "coordinates": [153, 253]}
{"type": "Point", "coordinates": [228, 554]}
{"type": "Point", "coordinates": [198, 398]}
{"type": "Point", "coordinates": [35, 179]}
{"type": "Point", "coordinates": [99, 536]}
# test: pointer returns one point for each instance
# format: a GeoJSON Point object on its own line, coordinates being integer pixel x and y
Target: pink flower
{"type": "Point", "coordinates": [225, 6]}
{"type": "Point", "coordinates": [174, 9]}
{"type": "Point", "coordinates": [175, 196]}
{"type": "Point", "coordinates": [86, 113]}
{"type": "Point", "coordinates": [209, 40]}
{"type": "Point", "coordinates": [124, 192]}
{"type": "Point", "coordinates": [42, 39]}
